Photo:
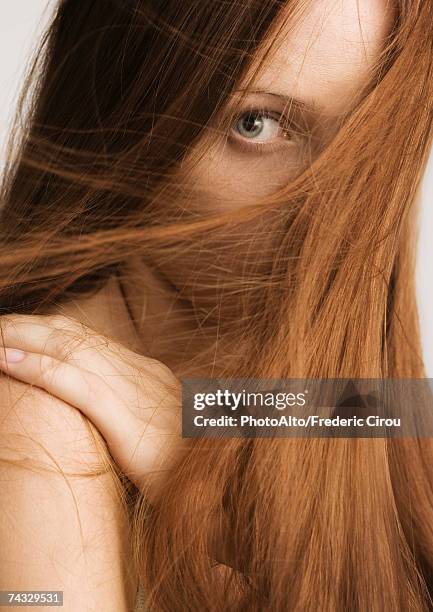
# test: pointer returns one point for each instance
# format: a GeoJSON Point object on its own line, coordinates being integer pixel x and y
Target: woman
{"type": "Point", "coordinates": [226, 189]}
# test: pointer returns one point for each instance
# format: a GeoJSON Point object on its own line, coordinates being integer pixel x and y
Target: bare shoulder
{"type": "Point", "coordinates": [37, 426]}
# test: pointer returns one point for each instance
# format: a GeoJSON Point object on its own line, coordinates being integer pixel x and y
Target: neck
{"type": "Point", "coordinates": [106, 312]}
{"type": "Point", "coordinates": [141, 311]}
{"type": "Point", "coordinates": [162, 319]}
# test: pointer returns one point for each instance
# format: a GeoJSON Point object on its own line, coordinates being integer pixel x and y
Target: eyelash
{"type": "Point", "coordinates": [263, 147]}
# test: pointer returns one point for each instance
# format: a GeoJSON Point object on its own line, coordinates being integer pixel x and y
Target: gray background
{"type": "Point", "coordinates": [20, 23]}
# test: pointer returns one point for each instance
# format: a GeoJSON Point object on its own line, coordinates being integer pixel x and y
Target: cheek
{"type": "Point", "coordinates": [227, 179]}
{"type": "Point", "coordinates": [209, 273]}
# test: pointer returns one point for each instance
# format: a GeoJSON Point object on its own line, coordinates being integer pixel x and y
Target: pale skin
{"type": "Point", "coordinates": [89, 358]}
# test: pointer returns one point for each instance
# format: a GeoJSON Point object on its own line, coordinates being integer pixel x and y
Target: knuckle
{"type": "Point", "coordinates": [152, 366]}
{"type": "Point", "coordinates": [62, 322]}
{"type": "Point", "coordinates": [70, 345]}
{"type": "Point", "coordinates": [91, 387]}
{"type": "Point", "coordinates": [162, 371]}
{"type": "Point", "coordinates": [159, 372]}
{"type": "Point", "coordinates": [67, 338]}
{"type": "Point", "coordinates": [12, 320]}
{"type": "Point", "coordinates": [48, 368]}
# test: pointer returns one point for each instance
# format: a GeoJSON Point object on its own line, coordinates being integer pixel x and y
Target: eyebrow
{"type": "Point", "coordinates": [298, 103]}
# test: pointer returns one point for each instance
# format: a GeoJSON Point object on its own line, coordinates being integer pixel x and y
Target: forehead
{"type": "Point", "coordinates": [327, 52]}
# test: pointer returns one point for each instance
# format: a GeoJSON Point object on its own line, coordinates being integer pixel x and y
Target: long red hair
{"type": "Point", "coordinates": [329, 524]}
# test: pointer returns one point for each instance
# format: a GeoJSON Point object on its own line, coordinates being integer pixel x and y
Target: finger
{"type": "Point", "coordinates": [62, 339]}
{"type": "Point", "coordinates": [86, 391]}
{"type": "Point", "coordinates": [76, 386]}
{"type": "Point", "coordinates": [66, 340]}
{"type": "Point", "coordinates": [41, 334]}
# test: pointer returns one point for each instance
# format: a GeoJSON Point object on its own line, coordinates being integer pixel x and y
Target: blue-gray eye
{"type": "Point", "coordinates": [258, 126]}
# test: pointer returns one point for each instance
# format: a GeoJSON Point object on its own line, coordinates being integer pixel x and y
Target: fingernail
{"type": "Point", "coordinates": [12, 355]}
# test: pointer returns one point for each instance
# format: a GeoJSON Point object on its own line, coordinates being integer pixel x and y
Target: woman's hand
{"type": "Point", "coordinates": [133, 401]}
